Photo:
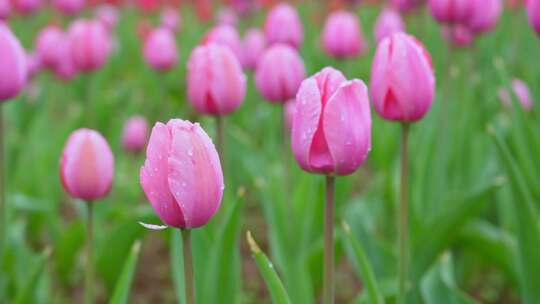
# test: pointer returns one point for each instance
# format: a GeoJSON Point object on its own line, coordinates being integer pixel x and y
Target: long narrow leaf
{"type": "Point", "coordinates": [25, 295]}
{"type": "Point", "coordinates": [123, 286]}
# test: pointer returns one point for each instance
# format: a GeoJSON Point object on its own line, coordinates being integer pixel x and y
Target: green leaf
{"type": "Point", "coordinates": [25, 295]}
{"type": "Point", "coordinates": [273, 283]}
{"type": "Point", "coordinates": [123, 286]}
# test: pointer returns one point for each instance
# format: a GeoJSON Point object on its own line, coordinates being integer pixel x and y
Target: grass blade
{"type": "Point", "coordinates": [123, 286]}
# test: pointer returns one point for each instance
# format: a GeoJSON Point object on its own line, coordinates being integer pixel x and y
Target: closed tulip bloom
{"type": "Point", "coordinates": [388, 23]}
{"type": "Point", "coordinates": [484, 15]}
{"type": "Point", "coordinates": [13, 65]}
{"type": "Point", "coordinates": [49, 45]}
{"type": "Point", "coordinates": [89, 43]}
{"type": "Point", "coordinates": [87, 165]}
{"type": "Point", "coordinates": [458, 35]}
{"type": "Point", "coordinates": [342, 36]}
{"type": "Point", "coordinates": [215, 80]}
{"type": "Point", "coordinates": [69, 7]}
{"type": "Point", "coordinates": [26, 7]}
{"type": "Point", "coordinates": [227, 36]}
{"type": "Point", "coordinates": [160, 50]}
{"type": "Point", "coordinates": [521, 91]}
{"type": "Point", "coordinates": [182, 176]}
{"type": "Point", "coordinates": [331, 132]}
{"type": "Point", "coordinates": [283, 25]}
{"type": "Point", "coordinates": [533, 11]}
{"type": "Point", "coordinates": [5, 9]}
{"type": "Point", "coordinates": [402, 79]}
{"type": "Point", "coordinates": [135, 134]}
{"type": "Point", "coordinates": [108, 16]}
{"type": "Point", "coordinates": [279, 73]}
{"type": "Point", "coordinates": [170, 19]}
{"type": "Point", "coordinates": [65, 68]}
{"type": "Point", "coordinates": [450, 11]}
{"type": "Point", "coordinates": [254, 45]}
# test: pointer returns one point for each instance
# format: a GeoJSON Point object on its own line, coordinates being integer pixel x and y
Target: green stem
{"type": "Point", "coordinates": [220, 133]}
{"type": "Point", "coordinates": [328, 282]}
{"type": "Point", "coordinates": [189, 278]}
{"type": "Point", "coordinates": [89, 276]}
{"type": "Point", "coordinates": [286, 151]}
{"type": "Point", "coordinates": [2, 184]}
{"type": "Point", "coordinates": [403, 231]}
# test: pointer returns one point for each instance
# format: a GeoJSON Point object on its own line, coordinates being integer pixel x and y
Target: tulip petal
{"type": "Point", "coordinates": [228, 82]}
{"type": "Point", "coordinates": [347, 126]}
{"type": "Point", "coordinates": [154, 178]}
{"type": "Point", "coordinates": [153, 227]}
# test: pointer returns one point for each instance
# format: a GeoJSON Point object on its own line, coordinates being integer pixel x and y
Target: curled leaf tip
{"type": "Point", "coordinates": [252, 244]}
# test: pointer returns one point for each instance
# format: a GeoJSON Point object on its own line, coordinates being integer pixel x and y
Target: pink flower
{"type": "Point", "coordinates": [13, 65]}
{"type": "Point", "coordinates": [215, 80]}
{"type": "Point", "coordinates": [283, 25]}
{"type": "Point", "coordinates": [225, 35]}
{"type": "Point", "coordinates": [521, 91]}
{"type": "Point", "coordinates": [90, 44]}
{"type": "Point", "coordinates": [533, 11]}
{"type": "Point", "coordinates": [342, 37]}
{"type": "Point", "coordinates": [87, 165]}
{"type": "Point", "coordinates": [108, 16]}
{"type": "Point", "coordinates": [69, 7]}
{"type": "Point", "coordinates": [182, 175]}
{"type": "Point", "coordinates": [170, 19]}
{"type": "Point", "coordinates": [65, 68]}
{"type": "Point", "coordinates": [5, 9]}
{"type": "Point", "coordinates": [49, 45]}
{"type": "Point", "coordinates": [160, 50]}
{"type": "Point", "coordinates": [26, 7]}
{"type": "Point", "coordinates": [227, 16]}
{"type": "Point", "coordinates": [254, 45]}
{"type": "Point", "coordinates": [402, 79]}
{"type": "Point", "coordinates": [279, 73]}
{"type": "Point", "coordinates": [388, 23]}
{"type": "Point", "coordinates": [450, 11]}
{"type": "Point", "coordinates": [135, 134]}
{"type": "Point", "coordinates": [331, 133]}
{"type": "Point", "coordinates": [458, 35]}
{"type": "Point", "coordinates": [484, 15]}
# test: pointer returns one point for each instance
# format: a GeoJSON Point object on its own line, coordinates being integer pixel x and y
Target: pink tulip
{"type": "Point", "coordinates": [26, 7]}
{"type": "Point", "coordinates": [5, 9]}
{"type": "Point", "coordinates": [254, 45]}
{"type": "Point", "coordinates": [331, 133]}
{"type": "Point", "coordinates": [182, 175]}
{"type": "Point", "coordinates": [13, 66]}
{"type": "Point", "coordinates": [244, 7]}
{"type": "Point", "coordinates": [458, 35]}
{"type": "Point", "coordinates": [450, 11]}
{"type": "Point", "coordinates": [170, 19]}
{"type": "Point", "coordinates": [49, 45]}
{"type": "Point", "coordinates": [33, 64]}
{"type": "Point", "coordinates": [533, 11]}
{"type": "Point", "coordinates": [65, 68]}
{"type": "Point", "coordinates": [521, 91]}
{"type": "Point", "coordinates": [108, 16]}
{"type": "Point", "coordinates": [87, 165]}
{"type": "Point", "coordinates": [225, 35]}
{"type": "Point", "coordinates": [388, 23]}
{"type": "Point", "coordinates": [160, 50]}
{"type": "Point", "coordinates": [342, 36]}
{"type": "Point", "coordinates": [135, 134]}
{"type": "Point", "coordinates": [215, 80]}
{"type": "Point", "coordinates": [69, 7]}
{"type": "Point", "coordinates": [290, 110]}
{"type": "Point", "coordinates": [89, 43]}
{"type": "Point", "coordinates": [484, 15]}
{"type": "Point", "coordinates": [283, 25]}
{"type": "Point", "coordinates": [402, 79]}
{"type": "Point", "coordinates": [227, 16]}
{"type": "Point", "coordinates": [279, 73]}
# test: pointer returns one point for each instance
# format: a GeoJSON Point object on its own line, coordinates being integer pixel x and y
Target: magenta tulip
{"type": "Point", "coordinates": [49, 45]}
{"type": "Point", "coordinates": [342, 36]}
{"type": "Point", "coordinates": [402, 79]}
{"type": "Point", "coordinates": [135, 134]}
{"type": "Point", "coordinates": [451, 11]}
{"type": "Point", "coordinates": [227, 36]}
{"type": "Point", "coordinates": [275, 82]}
{"type": "Point", "coordinates": [108, 16]}
{"type": "Point", "coordinates": [89, 43]}
{"type": "Point", "coordinates": [160, 50]}
{"type": "Point", "coordinates": [13, 65]}
{"type": "Point", "coordinates": [215, 80]}
{"type": "Point", "coordinates": [484, 15]}
{"type": "Point", "coordinates": [331, 133]}
{"type": "Point", "coordinates": [533, 11]}
{"type": "Point", "coordinates": [87, 165]}
{"type": "Point", "coordinates": [283, 25]}
{"type": "Point", "coordinates": [458, 35]}
{"type": "Point", "coordinates": [69, 7]}
{"type": "Point", "coordinates": [5, 9]}
{"type": "Point", "coordinates": [388, 23]}
{"type": "Point", "coordinates": [254, 45]}
{"type": "Point", "coordinates": [26, 7]}
{"type": "Point", "coordinates": [170, 19]}
{"type": "Point", "coordinates": [182, 175]}
{"type": "Point", "coordinates": [522, 93]}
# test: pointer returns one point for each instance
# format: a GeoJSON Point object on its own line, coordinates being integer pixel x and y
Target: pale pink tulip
{"type": "Point", "coordinates": [108, 16]}
{"type": "Point", "coordinates": [49, 45]}
{"type": "Point", "coordinates": [13, 65]}
{"type": "Point", "coordinates": [283, 25]}
{"type": "Point", "coordinates": [135, 134]}
{"type": "Point", "coordinates": [90, 44]}
{"type": "Point", "coordinates": [227, 36]}
{"type": "Point", "coordinates": [254, 45]}
{"type": "Point", "coordinates": [160, 50]}
{"type": "Point", "coordinates": [342, 36]}
{"type": "Point", "coordinates": [170, 19]}
{"type": "Point", "coordinates": [388, 23]}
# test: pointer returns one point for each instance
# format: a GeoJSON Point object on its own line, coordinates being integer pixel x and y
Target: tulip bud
{"type": "Point", "coordinates": [182, 176]}
{"type": "Point", "coordinates": [13, 66]}
{"type": "Point", "coordinates": [26, 7]}
{"type": "Point", "coordinates": [402, 79]}
{"type": "Point", "coordinates": [522, 92]}
{"type": "Point", "coordinates": [108, 16]}
{"type": "Point", "coordinates": [170, 19]}
{"type": "Point", "coordinates": [227, 36]}
{"type": "Point", "coordinates": [458, 35]}
{"type": "Point", "coordinates": [89, 43]}
{"type": "Point", "coordinates": [279, 73]}
{"type": "Point", "coordinates": [283, 25]}
{"type": "Point", "coordinates": [160, 49]}
{"type": "Point", "coordinates": [484, 15]}
{"type": "Point", "coordinates": [65, 68]}
{"type": "Point", "coordinates": [135, 134]}
{"type": "Point", "coordinates": [216, 82]}
{"type": "Point", "coordinates": [5, 9]}
{"type": "Point", "coordinates": [450, 11]}
{"type": "Point", "coordinates": [342, 37]}
{"type": "Point", "coordinates": [87, 165]}
{"type": "Point", "coordinates": [331, 133]}
{"type": "Point", "coordinates": [533, 11]}
{"type": "Point", "coordinates": [388, 23]}
{"type": "Point", "coordinates": [253, 47]}
{"type": "Point", "coordinates": [49, 45]}
{"type": "Point", "coordinates": [69, 7]}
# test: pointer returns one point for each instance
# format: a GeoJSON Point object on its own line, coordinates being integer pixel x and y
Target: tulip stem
{"type": "Point", "coordinates": [220, 133]}
{"type": "Point", "coordinates": [403, 215]}
{"type": "Point", "coordinates": [285, 134]}
{"type": "Point", "coordinates": [2, 184]}
{"type": "Point", "coordinates": [89, 276]}
{"type": "Point", "coordinates": [189, 278]}
{"type": "Point", "coordinates": [328, 282]}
